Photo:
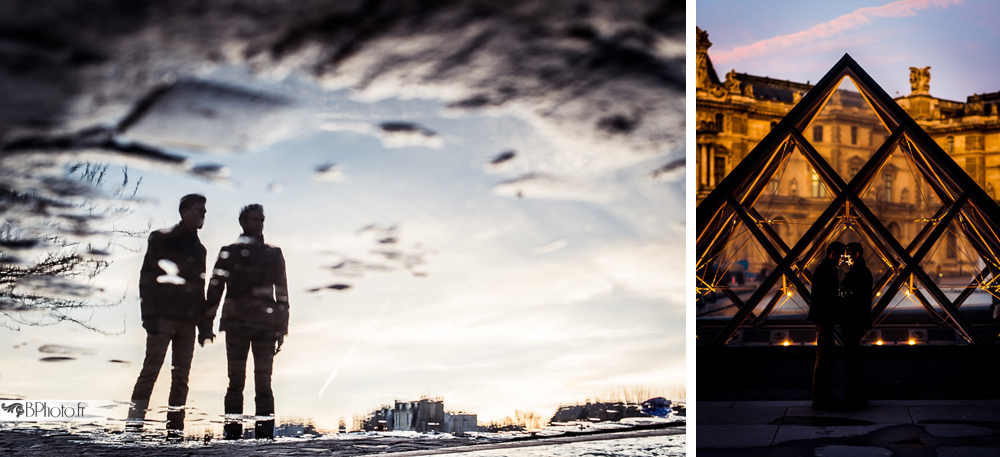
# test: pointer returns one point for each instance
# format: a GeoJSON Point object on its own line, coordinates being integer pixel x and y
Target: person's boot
{"type": "Point", "coordinates": [264, 430]}
{"type": "Point", "coordinates": [175, 435]}
{"type": "Point", "coordinates": [136, 416]}
{"type": "Point", "coordinates": [175, 423]}
{"type": "Point", "coordinates": [232, 431]}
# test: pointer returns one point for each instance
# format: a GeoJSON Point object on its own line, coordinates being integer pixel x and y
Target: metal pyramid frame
{"type": "Point", "coordinates": [964, 203]}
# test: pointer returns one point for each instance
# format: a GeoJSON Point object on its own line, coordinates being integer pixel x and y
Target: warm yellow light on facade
{"type": "Point", "coordinates": [912, 341]}
{"type": "Point", "coordinates": [878, 343]}
{"type": "Point", "coordinates": [786, 343]}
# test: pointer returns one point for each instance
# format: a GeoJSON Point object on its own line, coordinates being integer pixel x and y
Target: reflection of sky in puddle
{"type": "Point", "coordinates": [418, 263]}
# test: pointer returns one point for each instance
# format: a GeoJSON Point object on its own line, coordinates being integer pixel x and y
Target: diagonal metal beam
{"type": "Point", "coordinates": [979, 216]}
{"type": "Point", "coordinates": [912, 266]}
{"type": "Point", "coordinates": [771, 234]}
{"type": "Point", "coordinates": [771, 251]}
{"type": "Point", "coordinates": [733, 297]}
{"type": "Point", "coordinates": [912, 263]}
{"type": "Point", "coordinates": [969, 289]}
{"type": "Point", "coordinates": [938, 319]}
{"type": "Point", "coordinates": [783, 269]}
{"type": "Point", "coordinates": [767, 309]}
{"type": "Point", "coordinates": [821, 225]}
{"type": "Point", "coordinates": [918, 240]}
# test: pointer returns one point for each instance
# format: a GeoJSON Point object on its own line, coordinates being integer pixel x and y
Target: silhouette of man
{"type": "Point", "coordinates": [823, 311]}
{"type": "Point", "coordinates": [855, 322]}
{"type": "Point", "coordinates": [172, 301]}
{"type": "Point", "coordinates": [254, 317]}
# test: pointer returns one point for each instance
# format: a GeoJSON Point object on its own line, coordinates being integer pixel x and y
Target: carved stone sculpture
{"type": "Point", "coordinates": [920, 80]}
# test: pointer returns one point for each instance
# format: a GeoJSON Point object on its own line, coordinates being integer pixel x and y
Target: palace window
{"type": "Point", "coordinates": [818, 134]}
{"type": "Point", "coordinates": [739, 125]}
{"type": "Point", "coordinates": [818, 188]}
{"type": "Point", "coordinates": [975, 143]}
{"type": "Point", "coordinates": [887, 187]}
{"type": "Point", "coordinates": [950, 146]}
{"type": "Point", "coordinates": [851, 172]}
{"type": "Point", "coordinates": [975, 166]}
{"type": "Point", "coordinates": [854, 134]}
{"type": "Point", "coordinates": [720, 169]}
{"type": "Point", "coordinates": [720, 120]}
{"type": "Point", "coordinates": [904, 196]}
{"type": "Point", "coordinates": [793, 188]}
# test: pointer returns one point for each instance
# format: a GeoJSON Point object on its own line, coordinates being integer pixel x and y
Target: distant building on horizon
{"type": "Point", "coordinates": [597, 412]}
{"type": "Point", "coordinates": [424, 415]}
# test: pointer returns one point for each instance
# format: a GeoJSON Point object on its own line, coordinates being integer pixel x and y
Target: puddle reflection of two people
{"type": "Point", "coordinates": [846, 302]}
{"type": "Point", "coordinates": [174, 305]}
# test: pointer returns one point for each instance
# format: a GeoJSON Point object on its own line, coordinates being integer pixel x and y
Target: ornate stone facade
{"type": "Point", "coordinates": [734, 115]}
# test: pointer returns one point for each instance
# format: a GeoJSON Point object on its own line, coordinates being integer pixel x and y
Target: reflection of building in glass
{"type": "Point", "coordinates": [424, 415]}
{"type": "Point", "coordinates": [734, 115]}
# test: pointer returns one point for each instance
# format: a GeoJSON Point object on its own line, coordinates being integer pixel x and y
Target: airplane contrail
{"type": "Point", "coordinates": [354, 347]}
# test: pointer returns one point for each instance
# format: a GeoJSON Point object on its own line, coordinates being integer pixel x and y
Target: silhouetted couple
{"type": "Point", "coordinates": [847, 303]}
{"type": "Point", "coordinates": [174, 305]}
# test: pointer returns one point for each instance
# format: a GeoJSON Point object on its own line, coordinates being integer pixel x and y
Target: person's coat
{"type": "Point", "coordinates": [252, 274]}
{"type": "Point", "coordinates": [172, 277]}
{"type": "Point", "coordinates": [825, 302]}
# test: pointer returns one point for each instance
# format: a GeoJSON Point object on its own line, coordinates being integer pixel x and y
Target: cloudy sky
{"type": "Point", "coordinates": [800, 41]}
{"type": "Point", "coordinates": [527, 270]}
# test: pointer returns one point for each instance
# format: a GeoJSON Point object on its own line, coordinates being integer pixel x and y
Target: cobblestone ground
{"type": "Point", "coordinates": [31, 443]}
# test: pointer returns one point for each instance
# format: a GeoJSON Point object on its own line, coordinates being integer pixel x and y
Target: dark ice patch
{"type": "Point", "coordinates": [56, 359]}
{"type": "Point", "coordinates": [617, 124]}
{"type": "Point", "coordinates": [19, 244]}
{"type": "Point", "coordinates": [123, 362]}
{"type": "Point", "coordinates": [503, 157]}
{"type": "Point", "coordinates": [670, 170]}
{"type": "Point", "coordinates": [331, 286]}
{"type": "Point", "coordinates": [477, 101]}
{"type": "Point", "coordinates": [405, 127]}
{"type": "Point", "coordinates": [210, 170]}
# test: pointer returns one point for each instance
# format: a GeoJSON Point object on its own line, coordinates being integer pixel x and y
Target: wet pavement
{"type": "Point", "coordinates": [897, 428]}
{"type": "Point", "coordinates": [119, 444]}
